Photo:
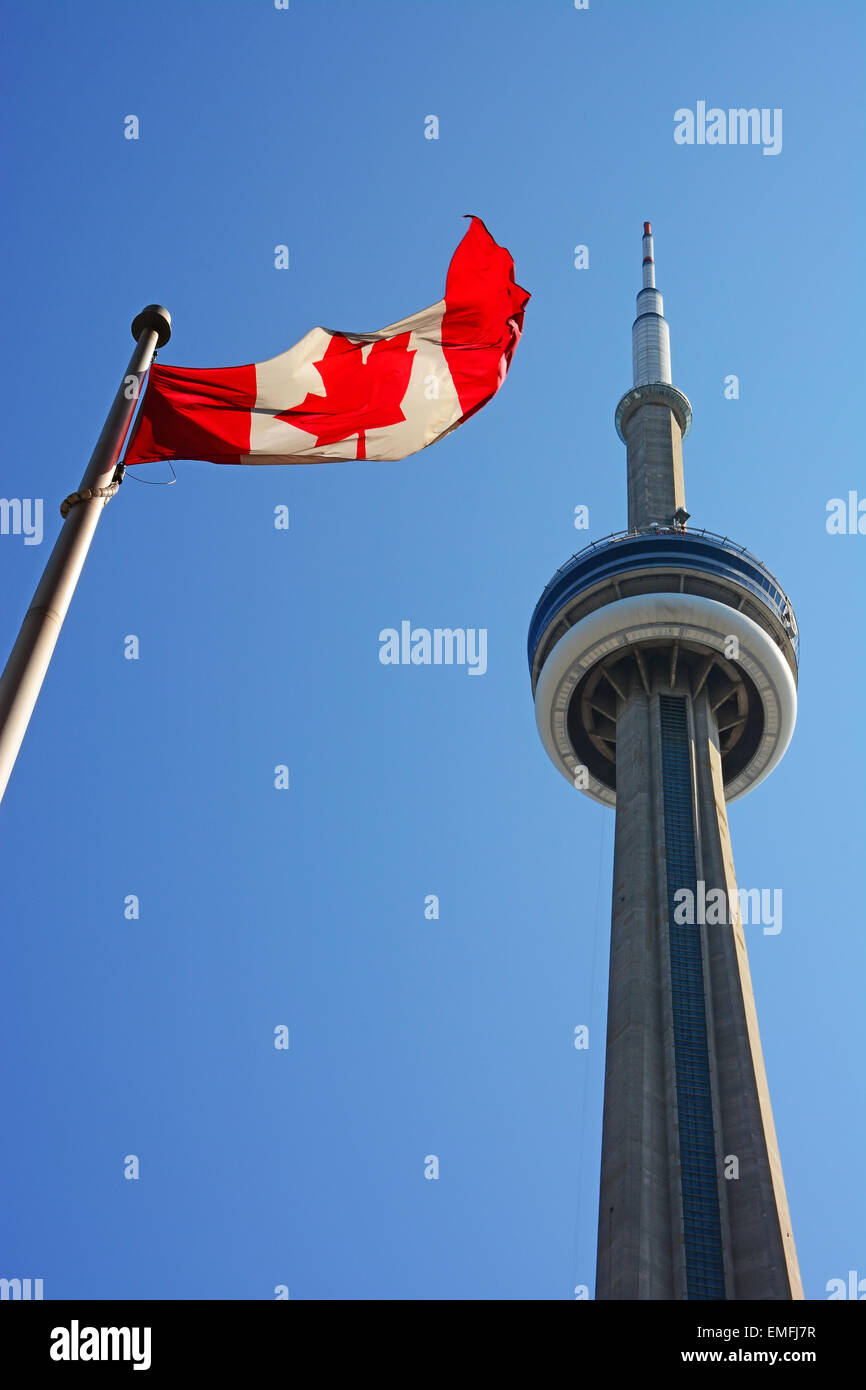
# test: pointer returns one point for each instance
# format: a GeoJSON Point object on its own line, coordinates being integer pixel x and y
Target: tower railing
{"type": "Point", "coordinates": [769, 589]}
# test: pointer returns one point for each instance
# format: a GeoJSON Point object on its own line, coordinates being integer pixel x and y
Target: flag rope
{"type": "Point", "coordinates": [87, 493]}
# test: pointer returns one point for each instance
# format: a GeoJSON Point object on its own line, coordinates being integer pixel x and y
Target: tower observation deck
{"type": "Point", "coordinates": [664, 662]}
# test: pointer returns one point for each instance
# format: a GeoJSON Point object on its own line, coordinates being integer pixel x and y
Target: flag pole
{"type": "Point", "coordinates": [28, 662]}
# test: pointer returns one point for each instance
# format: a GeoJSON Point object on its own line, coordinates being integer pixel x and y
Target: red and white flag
{"type": "Point", "coordinates": [336, 396]}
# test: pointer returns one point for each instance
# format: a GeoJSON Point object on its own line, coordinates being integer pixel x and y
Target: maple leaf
{"type": "Point", "coordinates": [359, 395]}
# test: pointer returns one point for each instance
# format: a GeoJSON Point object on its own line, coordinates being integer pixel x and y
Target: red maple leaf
{"type": "Point", "coordinates": [359, 395]}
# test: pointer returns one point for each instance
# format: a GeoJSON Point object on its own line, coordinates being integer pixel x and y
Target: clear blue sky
{"type": "Point", "coordinates": [259, 647]}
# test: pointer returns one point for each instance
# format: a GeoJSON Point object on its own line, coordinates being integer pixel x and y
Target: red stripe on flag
{"type": "Point", "coordinates": [194, 413]}
{"type": "Point", "coordinates": [483, 317]}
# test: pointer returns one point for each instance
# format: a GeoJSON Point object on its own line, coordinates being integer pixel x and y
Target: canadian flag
{"type": "Point", "coordinates": [336, 396]}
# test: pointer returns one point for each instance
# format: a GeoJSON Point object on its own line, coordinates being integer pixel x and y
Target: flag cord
{"type": "Point", "coordinates": [167, 482]}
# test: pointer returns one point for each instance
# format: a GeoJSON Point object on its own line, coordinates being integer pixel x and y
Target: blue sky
{"type": "Point", "coordinates": [260, 647]}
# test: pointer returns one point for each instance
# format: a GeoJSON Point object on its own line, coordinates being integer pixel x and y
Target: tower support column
{"type": "Point", "coordinates": [762, 1252]}
{"type": "Point", "coordinates": [635, 1259]}
{"type": "Point", "coordinates": [685, 1087]}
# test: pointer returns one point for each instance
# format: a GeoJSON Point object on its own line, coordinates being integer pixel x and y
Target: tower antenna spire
{"type": "Point", "coordinates": [649, 266]}
{"type": "Point", "coordinates": [653, 417]}
{"type": "Point", "coordinates": [650, 335]}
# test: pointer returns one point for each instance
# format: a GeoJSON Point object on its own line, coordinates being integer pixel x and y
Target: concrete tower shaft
{"type": "Point", "coordinates": [686, 1097]}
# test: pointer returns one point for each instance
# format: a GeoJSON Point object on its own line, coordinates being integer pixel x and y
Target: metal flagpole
{"type": "Point", "coordinates": [25, 670]}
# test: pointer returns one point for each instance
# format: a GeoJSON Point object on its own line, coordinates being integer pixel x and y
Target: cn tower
{"type": "Point", "coordinates": [664, 670]}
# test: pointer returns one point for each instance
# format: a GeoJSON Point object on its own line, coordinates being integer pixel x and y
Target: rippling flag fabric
{"type": "Point", "coordinates": [339, 396]}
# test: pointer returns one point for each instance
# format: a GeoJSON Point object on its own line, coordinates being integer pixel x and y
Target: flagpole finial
{"type": "Point", "coordinates": [154, 316]}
